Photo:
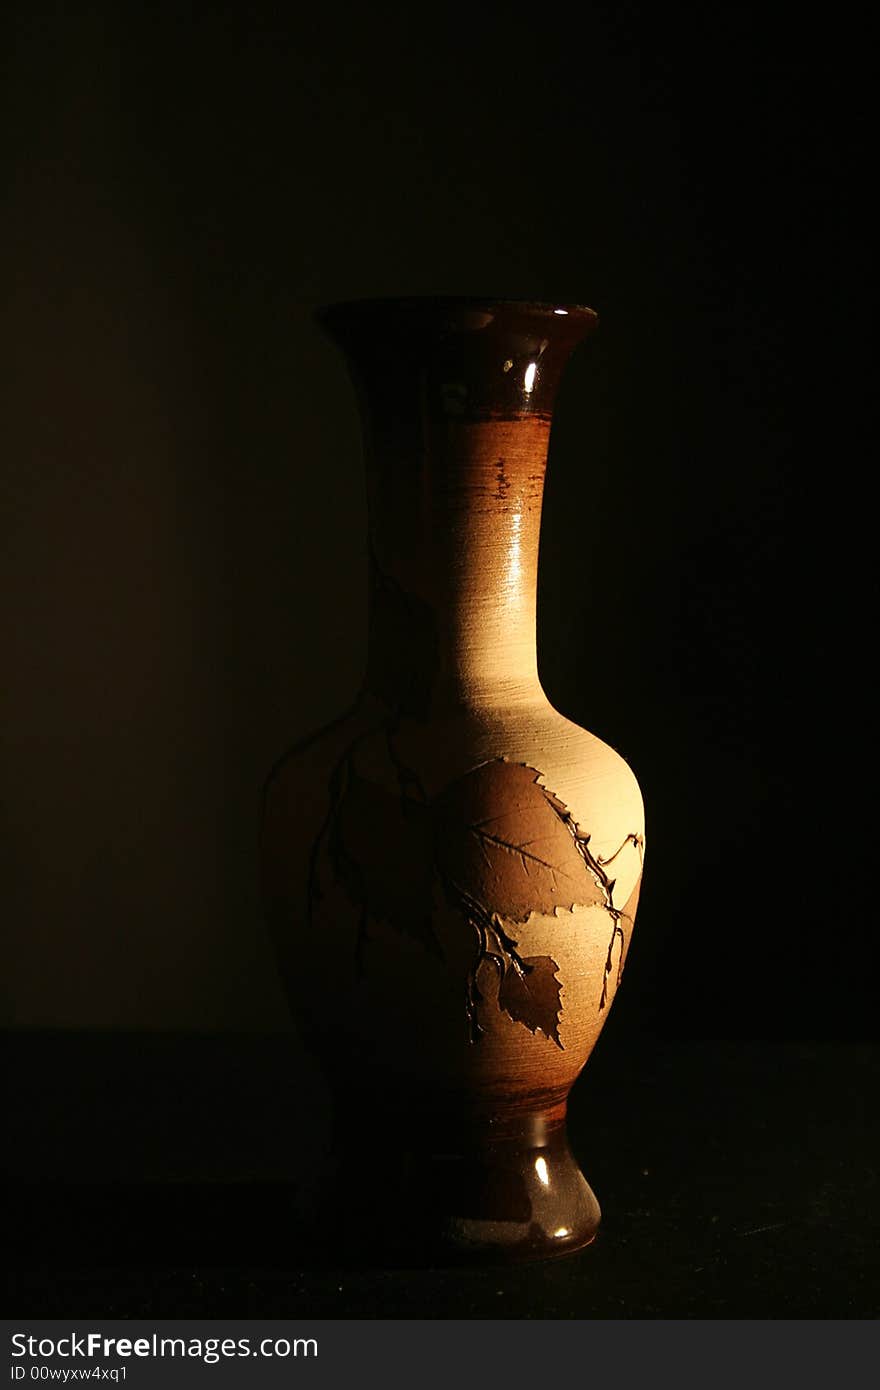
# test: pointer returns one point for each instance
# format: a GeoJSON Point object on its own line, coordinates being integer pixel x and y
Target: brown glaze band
{"type": "Point", "coordinates": [459, 358]}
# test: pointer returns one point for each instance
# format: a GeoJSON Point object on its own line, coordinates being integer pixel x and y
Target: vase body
{"type": "Point", "coordinates": [451, 870]}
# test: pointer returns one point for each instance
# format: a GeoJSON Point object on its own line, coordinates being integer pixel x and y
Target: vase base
{"type": "Point", "coordinates": [497, 1199]}
{"type": "Point", "coordinates": [503, 1241]}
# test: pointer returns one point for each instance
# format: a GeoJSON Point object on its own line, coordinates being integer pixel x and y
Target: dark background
{"type": "Point", "coordinates": [182, 565]}
{"type": "Point", "coordinates": [183, 558]}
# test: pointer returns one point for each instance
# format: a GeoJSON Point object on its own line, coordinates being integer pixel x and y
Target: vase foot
{"type": "Point", "coordinates": [502, 1194]}
{"type": "Point", "coordinates": [513, 1200]}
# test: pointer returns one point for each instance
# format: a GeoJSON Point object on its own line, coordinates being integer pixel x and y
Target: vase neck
{"type": "Point", "coordinates": [454, 559]}
{"type": "Point", "coordinates": [456, 401]}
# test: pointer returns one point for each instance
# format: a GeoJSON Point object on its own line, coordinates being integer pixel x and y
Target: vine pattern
{"type": "Point", "coordinates": [499, 845]}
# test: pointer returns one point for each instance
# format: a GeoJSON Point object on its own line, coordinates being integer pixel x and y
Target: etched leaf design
{"type": "Point", "coordinates": [629, 908]}
{"type": "Point", "coordinates": [500, 835]}
{"type": "Point", "coordinates": [382, 853]}
{"type": "Point", "coordinates": [529, 992]}
{"type": "Point", "coordinates": [495, 843]}
{"type": "Point", "coordinates": [627, 917]}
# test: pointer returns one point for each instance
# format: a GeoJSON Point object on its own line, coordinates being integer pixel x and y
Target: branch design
{"type": "Point", "coordinates": [496, 843]}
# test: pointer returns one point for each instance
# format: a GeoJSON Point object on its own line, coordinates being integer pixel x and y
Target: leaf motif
{"type": "Point", "coordinates": [511, 843]}
{"type": "Point", "coordinates": [530, 995]}
{"type": "Point", "coordinates": [498, 844]}
{"type": "Point", "coordinates": [628, 916]}
{"type": "Point", "coordinates": [632, 902]}
{"type": "Point", "coordinates": [382, 853]}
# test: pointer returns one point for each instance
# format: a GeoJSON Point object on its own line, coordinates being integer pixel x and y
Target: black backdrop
{"type": "Point", "coordinates": [183, 555]}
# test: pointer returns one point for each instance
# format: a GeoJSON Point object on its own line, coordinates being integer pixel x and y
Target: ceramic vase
{"type": "Point", "coordinates": [451, 870]}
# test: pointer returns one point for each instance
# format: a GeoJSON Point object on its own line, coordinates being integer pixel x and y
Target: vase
{"type": "Point", "coordinates": [451, 870]}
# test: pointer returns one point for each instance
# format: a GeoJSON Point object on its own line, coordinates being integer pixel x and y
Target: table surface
{"type": "Point", "coordinates": [162, 1176]}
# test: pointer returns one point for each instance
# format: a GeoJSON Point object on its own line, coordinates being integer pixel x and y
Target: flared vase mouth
{"type": "Point", "coordinates": [441, 307]}
{"type": "Point", "coordinates": [464, 357]}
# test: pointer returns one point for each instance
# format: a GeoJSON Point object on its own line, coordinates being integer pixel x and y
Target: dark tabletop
{"type": "Point", "coordinates": [167, 1176]}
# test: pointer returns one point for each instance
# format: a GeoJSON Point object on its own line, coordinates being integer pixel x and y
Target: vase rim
{"type": "Point", "coordinates": [554, 308]}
